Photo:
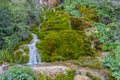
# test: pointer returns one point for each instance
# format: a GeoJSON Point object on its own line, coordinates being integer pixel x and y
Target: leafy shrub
{"type": "Point", "coordinates": [14, 17]}
{"type": "Point", "coordinates": [5, 56]}
{"type": "Point", "coordinates": [113, 63]}
{"type": "Point", "coordinates": [108, 35]}
{"type": "Point", "coordinates": [17, 73]}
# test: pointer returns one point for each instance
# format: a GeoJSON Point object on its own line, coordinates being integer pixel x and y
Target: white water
{"type": "Point", "coordinates": [34, 57]}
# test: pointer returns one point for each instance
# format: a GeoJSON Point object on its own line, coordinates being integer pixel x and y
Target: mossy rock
{"type": "Point", "coordinates": [20, 57]}
{"type": "Point", "coordinates": [89, 61]}
{"type": "Point", "coordinates": [58, 20]}
{"type": "Point", "coordinates": [26, 49]}
{"type": "Point", "coordinates": [64, 45]}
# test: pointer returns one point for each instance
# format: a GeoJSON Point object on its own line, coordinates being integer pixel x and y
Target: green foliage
{"type": "Point", "coordinates": [113, 63]}
{"type": "Point", "coordinates": [66, 44]}
{"type": "Point", "coordinates": [107, 29]}
{"type": "Point", "coordinates": [70, 7]}
{"type": "Point", "coordinates": [26, 49]}
{"type": "Point", "coordinates": [13, 26]}
{"type": "Point", "coordinates": [18, 73]}
{"type": "Point", "coordinates": [63, 37]}
{"type": "Point", "coordinates": [54, 20]}
{"type": "Point", "coordinates": [5, 56]}
{"type": "Point", "coordinates": [72, 10]}
{"type": "Point", "coordinates": [20, 57]}
{"type": "Point", "coordinates": [108, 35]}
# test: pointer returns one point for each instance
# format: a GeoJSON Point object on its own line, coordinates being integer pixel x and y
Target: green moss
{"type": "Point", "coordinates": [25, 58]}
{"type": "Point", "coordinates": [26, 49]}
{"type": "Point", "coordinates": [91, 62]}
{"type": "Point", "coordinates": [96, 78]}
{"type": "Point", "coordinates": [88, 14]}
{"type": "Point", "coordinates": [79, 24]}
{"type": "Point", "coordinates": [58, 20]}
{"type": "Point", "coordinates": [64, 45]}
{"type": "Point", "coordinates": [18, 56]}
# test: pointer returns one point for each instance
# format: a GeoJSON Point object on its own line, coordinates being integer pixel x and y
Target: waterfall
{"type": "Point", "coordinates": [34, 57]}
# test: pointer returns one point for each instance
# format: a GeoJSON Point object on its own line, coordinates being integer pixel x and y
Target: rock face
{"type": "Point", "coordinates": [81, 77]}
{"type": "Point", "coordinates": [51, 71]}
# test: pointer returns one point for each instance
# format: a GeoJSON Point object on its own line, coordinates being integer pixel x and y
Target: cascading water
{"type": "Point", "coordinates": [34, 57]}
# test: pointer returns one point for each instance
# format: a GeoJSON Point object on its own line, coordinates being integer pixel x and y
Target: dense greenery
{"type": "Point", "coordinates": [18, 73]}
{"type": "Point", "coordinates": [63, 37]}
{"type": "Point", "coordinates": [15, 18]}
{"type": "Point", "coordinates": [13, 24]}
{"type": "Point", "coordinates": [108, 34]}
{"type": "Point", "coordinates": [66, 44]}
{"type": "Point", "coordinates": [62, 33]}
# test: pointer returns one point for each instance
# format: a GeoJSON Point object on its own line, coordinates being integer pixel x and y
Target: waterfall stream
{"type": "Point", "coordinates": [34, 57]}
